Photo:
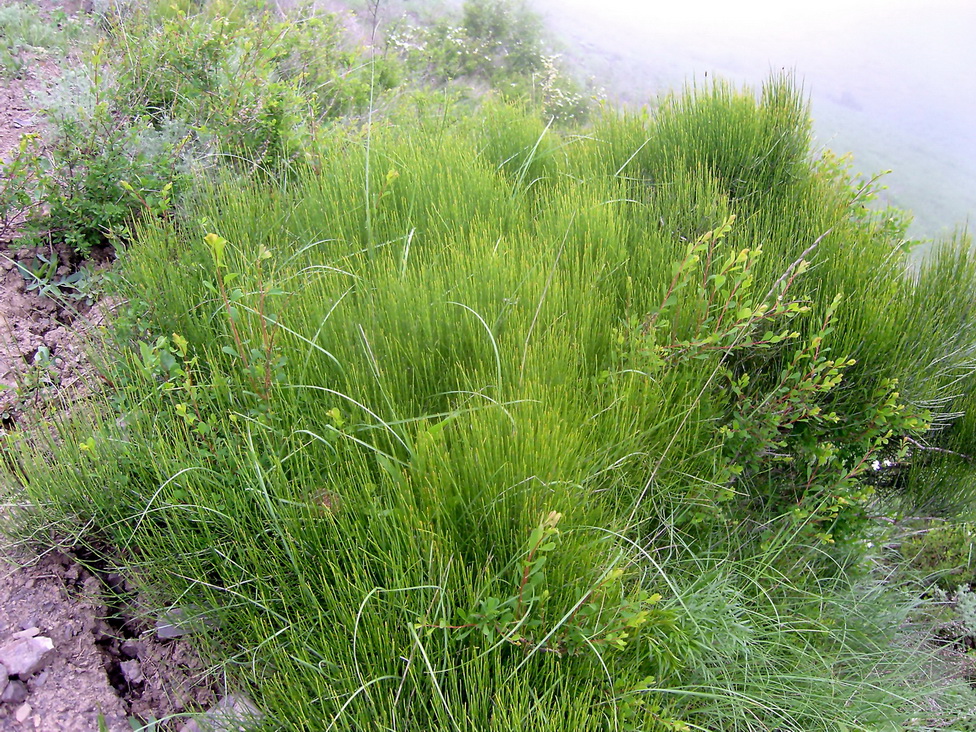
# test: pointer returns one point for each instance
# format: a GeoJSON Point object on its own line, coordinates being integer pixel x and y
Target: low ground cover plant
{"type": "Point", "coordinates": [944, 553]}
{"type": "Point", "coordinates": [24, 34]}
{"type": "Point", "coordinates": [473, 424]}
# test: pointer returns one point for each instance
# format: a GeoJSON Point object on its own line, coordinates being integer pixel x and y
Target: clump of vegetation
{"type": "Point", "coordinates": [444, 421]}
{"type": "Point", "coordinates": [494, 43]}
{"type": "Point", "coordinates": [255, 80]}
{"type": "Point", "coordinates": [129, 126]}
{"type": "Point", "coordinates": [23, 33]}
{"type": "Point", "coordinates": [346, 400]}
{"type": "Point", "coordinates": [219, 84]}
{"type": "Point", "coordinates": [945, 554]}
{"type": "Point", "coordinates": [101, 168]}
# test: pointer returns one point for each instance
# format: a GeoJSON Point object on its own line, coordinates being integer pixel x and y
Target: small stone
{"type": "Point", "coordinates": [15, 693]}
{"type": "Point", "coordinates": [172, 625]}
{"type": "Point", "coordinates": [168, 631]}
{"type": "Point", "coordinates": [40, 679]}
{"type": "Point", "coordinates": [24, 657]}
{"type": "Point", "coordinates": [27, 632]}
{"type": "Point", "coordinates": [3, 678]}
{"type": "Point", "coordinates": [132, 672]}
{"type": "Point", "coordinates": [102, 631]}
{"type": "Point", "coordinates": [233, 713]}
{"type": "Point", "coordinates": [23, 712]}
{"type": "Point", "coordinates": [131, 649]}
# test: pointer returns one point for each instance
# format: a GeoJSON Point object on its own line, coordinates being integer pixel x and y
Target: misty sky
{"type": "Point", "coordinates": [892, 80]}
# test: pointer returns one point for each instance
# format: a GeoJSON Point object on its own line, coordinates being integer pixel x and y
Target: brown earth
{"type": "Point", "coordinates": [106, 667]}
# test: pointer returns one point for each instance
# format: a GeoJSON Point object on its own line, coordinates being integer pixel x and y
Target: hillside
{"type": "Point", "coordinates": [432, 397]}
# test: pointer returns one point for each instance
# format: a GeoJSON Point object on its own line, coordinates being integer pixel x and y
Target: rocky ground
{"type": "Point", "coordinates": [74, 654]}
{"type": "Point", "coordinates": [71, 659]}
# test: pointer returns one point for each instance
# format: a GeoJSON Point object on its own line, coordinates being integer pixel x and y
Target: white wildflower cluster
{"type": "Point", "coordinates": [444, 51]}
{"type": "Point", "coordinates": [407, 39]}
{"type": "Point", "coordinates": [558, 101]}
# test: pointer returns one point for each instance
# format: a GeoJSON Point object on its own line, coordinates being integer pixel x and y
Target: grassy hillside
{"type": "Point", "coordinates": [467, 423]}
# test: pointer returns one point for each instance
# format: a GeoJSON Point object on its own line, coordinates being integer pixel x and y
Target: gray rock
{"type": "Point", "coordinates": [15, 693]}
{"type": "Point", "coordinates": [23, 712]}
{"type": "Point", "coordinates": [132, 649]}
{"type": "Point", "coordinates": [24, 657]}
{"type": "Point", "coordinates": [233, 713]}
{"type": "Point", "coordinates": [132, 672]}
{"type": "Point", "coordinates": [3, 678]}
{"type": "Point", "coordinates": [172, 625]}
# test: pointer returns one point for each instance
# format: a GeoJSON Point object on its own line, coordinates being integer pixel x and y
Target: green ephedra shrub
{"type": "Point", "coordinates": [471, 424]}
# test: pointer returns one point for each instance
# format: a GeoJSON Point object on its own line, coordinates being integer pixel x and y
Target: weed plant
{"type": "Point", "coordinates": [24, 34]}
{"type": "Point", "coordinates": [474, 425]}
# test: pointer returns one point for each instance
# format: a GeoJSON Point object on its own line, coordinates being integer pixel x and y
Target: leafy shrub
{"type": "Point", "coordinates": [103, 168]}
{"type": "Point", "coordinates": [495, 43]}
{"type": "Point", "coordinates": [493, 40]}
{"type": "Point", "coordinates": [252, 84]}
{"type": "Point", "coordinates": [129, 127]}
{"type": "Point", "coordinates": [20, 181]}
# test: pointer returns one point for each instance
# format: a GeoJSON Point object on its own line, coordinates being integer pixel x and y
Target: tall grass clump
{"type": "Point", "coordinates": [477, 425]}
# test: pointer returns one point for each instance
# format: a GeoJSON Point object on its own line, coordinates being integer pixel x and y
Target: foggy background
{"type": "Point", "coordinates": [890, 80]}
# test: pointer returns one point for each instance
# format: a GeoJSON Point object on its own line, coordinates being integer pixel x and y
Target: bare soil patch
{"type": "Point", "coordinates": [105, 666]}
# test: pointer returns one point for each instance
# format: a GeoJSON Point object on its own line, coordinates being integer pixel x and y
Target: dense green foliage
{"type": "Point", "coordinates": [494, 44]}
{"type": "Point", "coordinates": [131, 122]}
{"type": "Point", "coordinates": [944, 553]}
{"type": "Point", "coordinates": [171, 91]}
{"type": "Point", "coordinates": [439, 420]}
{"type": "Point", "coordinates": [476, 425]}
